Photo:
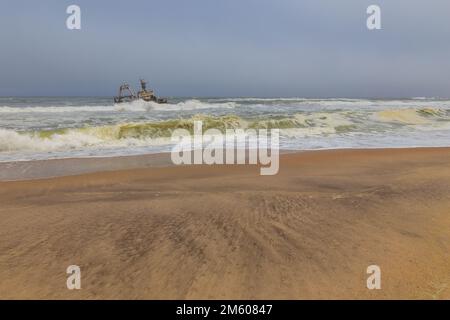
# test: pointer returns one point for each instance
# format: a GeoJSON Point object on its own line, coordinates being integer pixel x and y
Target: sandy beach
{"type": "Point", "coordinates": [225, 232]}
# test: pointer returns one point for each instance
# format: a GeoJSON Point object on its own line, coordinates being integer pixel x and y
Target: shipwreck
{"type": "Point", "coordinates": [127, 94]}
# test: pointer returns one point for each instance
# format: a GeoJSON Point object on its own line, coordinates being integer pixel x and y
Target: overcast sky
{"type": "Point", "coordinates": [292, 48]}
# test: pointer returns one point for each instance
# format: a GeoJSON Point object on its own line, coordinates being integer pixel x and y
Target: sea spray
{"type": "Point", "coordinates": [42, 128]}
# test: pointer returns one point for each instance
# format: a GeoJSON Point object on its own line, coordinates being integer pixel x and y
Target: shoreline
{"type": "Point", "coordinates": [225, 232]}
{"type": "Point", "coordinates": [23, 170]}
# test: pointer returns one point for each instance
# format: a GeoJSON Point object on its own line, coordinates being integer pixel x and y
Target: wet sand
{"type": "Point", "coordinates": [225, 232]}
{"type": "Point", "coordinates": [40, 169]}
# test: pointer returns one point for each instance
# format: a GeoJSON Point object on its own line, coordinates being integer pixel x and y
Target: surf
{"type": "Point", "coordinates": [63, 127]}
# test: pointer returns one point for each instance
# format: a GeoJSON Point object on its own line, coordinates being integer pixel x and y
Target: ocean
{"type": "Point", "coordinates": [35, 128]}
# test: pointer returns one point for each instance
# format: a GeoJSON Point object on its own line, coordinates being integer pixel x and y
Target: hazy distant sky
{"type": "Point", "coordinates": [296, 48]}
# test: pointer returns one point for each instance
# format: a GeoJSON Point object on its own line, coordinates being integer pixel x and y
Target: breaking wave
{"type": "Point", "coordinates": [228, 104]}
{"type": "Point", "coordinates": [414, 116]}
{"type": "Point", "coordinates": [55, 109]}
{"type": "Point", "coordinates": [298, 125]}
{"type": "Point", "coordinates": [136, 106]}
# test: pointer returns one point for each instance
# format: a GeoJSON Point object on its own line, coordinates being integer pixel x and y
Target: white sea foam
{"type": "Point", "coordinates": [192, 104]}
{"type": "Point", "coordinates": [11, 141]}
{"type": "Point", "coordinates": [136, 106]}
{"type": "Point", "coordinates": [218, 103]}
{"type": "Point", "coordinates": [32, 128]}
{"type": "Point", "coordinates": [56, 109]}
